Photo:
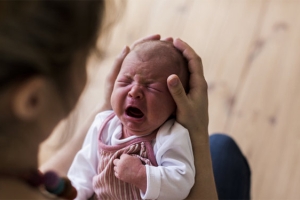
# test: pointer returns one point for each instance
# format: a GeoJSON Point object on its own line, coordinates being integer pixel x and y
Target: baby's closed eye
{"type": "Point", "coordinates": [155, 87]}
{"type": "Point", "coordinates": [123, 82]}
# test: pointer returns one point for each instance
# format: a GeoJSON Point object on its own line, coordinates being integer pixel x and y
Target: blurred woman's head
{"type": "Point", "coordinates": [43, 50]}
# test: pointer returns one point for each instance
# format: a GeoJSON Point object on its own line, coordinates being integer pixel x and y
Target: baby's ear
{"type": "Point", "coordinates": [29, 98]}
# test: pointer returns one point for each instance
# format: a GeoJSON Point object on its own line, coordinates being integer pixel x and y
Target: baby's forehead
{"type": "Point", "coordinates": [158, 67]}
{"type": "Point", "coordinates": [163, 55]}
{"type": "Point", "coordinates": [156, 49]}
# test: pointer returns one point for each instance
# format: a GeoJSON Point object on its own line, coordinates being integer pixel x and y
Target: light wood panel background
{"type": "Point", "coordinates": [250, 50]}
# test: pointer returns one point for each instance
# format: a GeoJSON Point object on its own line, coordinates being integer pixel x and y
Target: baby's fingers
{"type": "Point", "coordinates": [116, 161]}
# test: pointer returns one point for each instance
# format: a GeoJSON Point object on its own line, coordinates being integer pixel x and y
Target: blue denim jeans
{"type": "Point", "coordinates": [231, 170]}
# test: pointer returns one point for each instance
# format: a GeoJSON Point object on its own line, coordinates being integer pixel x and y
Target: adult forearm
{"type": "Point", "coordinates": [204, 187]}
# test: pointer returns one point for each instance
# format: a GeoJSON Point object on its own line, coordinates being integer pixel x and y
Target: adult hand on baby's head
{"type": "Point", "coordinates": [192, 108]}
{"type": "Point", "coordinates": [131, 170]}
{"type": "Point", "coordinates": [150, 37]}
{"type": "Point", "coordinates": [192, 113]}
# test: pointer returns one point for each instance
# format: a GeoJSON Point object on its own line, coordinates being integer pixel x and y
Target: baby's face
{"type": "Point", "coordinates": [141, 98]}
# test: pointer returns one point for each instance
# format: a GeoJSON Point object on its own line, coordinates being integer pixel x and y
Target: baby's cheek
{"type": "Point", "coordinates": [165, 110]}
{"type": "Point", "coordinates": [116, 101]}
{"type": "Point", "coordinates": [171, 101]}
{"type": "Point", "coordinates": [112, 101]}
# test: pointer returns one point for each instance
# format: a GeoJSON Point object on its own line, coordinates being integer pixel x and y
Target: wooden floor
{"type": "Point", "coordinates": [251, 55]}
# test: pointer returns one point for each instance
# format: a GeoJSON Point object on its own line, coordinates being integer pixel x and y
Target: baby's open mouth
{"type": "Point", "coordinates": [134, 112]}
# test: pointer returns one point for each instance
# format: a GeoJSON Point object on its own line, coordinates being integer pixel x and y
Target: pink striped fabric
{"type": "Point", "coordinates": [106, 185]}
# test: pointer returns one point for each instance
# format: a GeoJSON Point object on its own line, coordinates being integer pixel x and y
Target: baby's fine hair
{"type": "Point", "coordinates": [42, 37]}
{"type": "Point", "coordinates": [164, 50]}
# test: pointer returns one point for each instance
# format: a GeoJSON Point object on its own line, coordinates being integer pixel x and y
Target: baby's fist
{"type": "Point", "coordinates": [131, 170]}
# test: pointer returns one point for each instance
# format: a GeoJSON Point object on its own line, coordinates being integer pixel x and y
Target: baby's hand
{"type": "Point", "coordinates": [131, 170]}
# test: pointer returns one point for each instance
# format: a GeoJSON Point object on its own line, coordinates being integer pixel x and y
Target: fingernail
{"type": "Point", "coordinates": [173, 82]}
{"type": "Point", "coordinates": [176, 41]}
{"type": "Point", "coordinates": [124, 50]}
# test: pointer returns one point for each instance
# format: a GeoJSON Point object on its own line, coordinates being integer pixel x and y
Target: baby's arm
{"type": "Point", "coordinates": [131, 170]}
{"type": "Point", "coordinates": [84, 166]}
{"type": "Point", "coordinates": [175, 175]}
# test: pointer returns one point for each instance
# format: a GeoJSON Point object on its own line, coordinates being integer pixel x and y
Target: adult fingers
{"type": "Point", "coordinates": [111, 77]}
{"type": "Point", "coordinates": [168, 39]}
{"type": "Point", "coordinates": [194, 61]}
{"type": "Point", "coordinates": [197, 81]}
{"type": "Point", "coordinates": [117, 65]}
{"type": "Point", "coordinates": [177, 91]}
{"type": "Point", "coordinates": [150, 37]}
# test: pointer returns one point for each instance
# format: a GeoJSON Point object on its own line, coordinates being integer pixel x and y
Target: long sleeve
{"type": "Point", "coordinates": [175, 175]}
{"type": "Point", "coordinates": [84, 166]}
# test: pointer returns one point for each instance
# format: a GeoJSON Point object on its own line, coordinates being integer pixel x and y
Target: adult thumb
{"type": "Point", "coordinates": [177, 91]}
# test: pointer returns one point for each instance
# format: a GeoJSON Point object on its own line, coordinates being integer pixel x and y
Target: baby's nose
{"type": "Point", "coordinates": [136, 92]}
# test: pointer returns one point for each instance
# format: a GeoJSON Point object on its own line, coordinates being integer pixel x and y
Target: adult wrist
{"type": "Point", "coordinates": [199, 136]}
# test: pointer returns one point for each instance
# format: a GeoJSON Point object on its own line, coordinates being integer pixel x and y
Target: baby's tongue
{"type": "Point", "coordinates": [134, 112]}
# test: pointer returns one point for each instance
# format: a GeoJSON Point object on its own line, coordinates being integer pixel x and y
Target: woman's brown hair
{"type": "Point", "coordinates": [42, 37]}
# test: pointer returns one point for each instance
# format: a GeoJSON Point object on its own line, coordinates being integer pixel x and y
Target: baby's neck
{"type": "Point", "coordinates": [126, 133]}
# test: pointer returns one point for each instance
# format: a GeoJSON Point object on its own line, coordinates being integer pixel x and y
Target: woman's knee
{"type": "Point", "coordinates": [225, 148]}
{"type": "Point", "coordinates": [222, 141]}
{"type": "Point", "coordinates": [231, 169]}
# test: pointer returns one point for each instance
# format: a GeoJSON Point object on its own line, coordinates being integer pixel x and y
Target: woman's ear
{"type": "Point", "coordinates": [29, 98]}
